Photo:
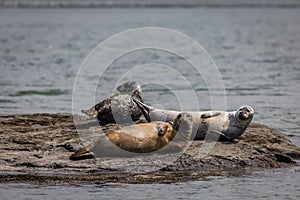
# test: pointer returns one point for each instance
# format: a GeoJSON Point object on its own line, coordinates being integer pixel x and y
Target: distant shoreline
{"type": "Point", "coordinates": [136, 5]}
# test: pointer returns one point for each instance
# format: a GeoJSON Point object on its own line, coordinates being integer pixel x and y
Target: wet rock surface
{"type": "Point", "coordinates": [36, 148]}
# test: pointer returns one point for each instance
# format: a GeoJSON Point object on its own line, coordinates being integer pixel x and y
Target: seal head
{"type": "Point", "coordinates": [244, 114]}
{"type": "Point", "coordinates": [131, 87]}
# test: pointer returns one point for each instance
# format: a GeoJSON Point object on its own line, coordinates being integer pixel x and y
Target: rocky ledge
{"type": "Point", "coordinates": [36, 148]}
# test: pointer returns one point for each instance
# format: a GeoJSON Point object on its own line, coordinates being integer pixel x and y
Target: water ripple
{"type": "Point", "coordinates": [53, 92]}
{"type": "Point", "coordinates": [6, 101]}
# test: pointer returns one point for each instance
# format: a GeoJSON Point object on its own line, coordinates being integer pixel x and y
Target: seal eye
{"type": "Point", "coordinates": [179, 116]}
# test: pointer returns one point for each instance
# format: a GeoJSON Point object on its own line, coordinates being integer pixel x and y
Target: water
{"type": "Point", "coordinates": [276, 184]}
{"type": "Point", "coordinates": [256, 50]}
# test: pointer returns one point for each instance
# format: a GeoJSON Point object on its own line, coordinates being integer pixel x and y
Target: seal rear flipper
{"type": "Point", "coordinates": [82, 154]}
{"type": "Point", "coordinates": [90, 112]}
{"type": "Point", "coordinates": [144, 108]}
{"type": "Point", "coordinates": [210, 114]}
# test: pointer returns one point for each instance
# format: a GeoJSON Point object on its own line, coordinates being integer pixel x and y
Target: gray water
{"type": "Point", "coordinates": [277, 184]}
{"type": "Point", "coordinates": [256, 51]}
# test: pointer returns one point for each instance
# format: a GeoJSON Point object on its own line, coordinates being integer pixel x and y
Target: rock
{"type": "Point", "coordinates": [36, 148]}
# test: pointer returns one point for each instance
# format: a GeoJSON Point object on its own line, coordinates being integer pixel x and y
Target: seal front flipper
{"type": "Point", "coordinates": [144, 108]}
{"type": "Point", "coordinates": [221, 135]}
{"type": "Point", "coordinates": [82, 154]}
{"type": "Point", "coordinates": [210, 114]}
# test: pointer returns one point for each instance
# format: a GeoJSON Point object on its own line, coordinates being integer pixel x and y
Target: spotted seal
{"type": "Point", "coordinates": [119, 108]}
{"type": "Point", "coordinates": [228, 125]}
{"type": "Point", "coordinates": [139, 138]}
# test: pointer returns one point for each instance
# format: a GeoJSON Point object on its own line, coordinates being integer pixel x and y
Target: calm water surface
{"type": "Point", "coordinates": [256, 50]}
{"type": "Point", "coordinates": [277, 184]}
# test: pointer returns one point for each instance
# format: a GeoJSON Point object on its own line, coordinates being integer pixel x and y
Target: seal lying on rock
{"type": "Point", "coordinates": [229, 125]}
{"type": "Point", "coordinates": [138, 138]}
{"type": "Point", "coordinates": [128, 106]}
{"type": "Point", "coordinates": [119, 108]}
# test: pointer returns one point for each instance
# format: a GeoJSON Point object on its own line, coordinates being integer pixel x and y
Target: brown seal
{"type": "Point", "coordinates": [137, 138]}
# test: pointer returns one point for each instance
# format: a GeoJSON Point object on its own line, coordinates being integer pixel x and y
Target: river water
{"type": "Point", "coordinates": [256, 51]}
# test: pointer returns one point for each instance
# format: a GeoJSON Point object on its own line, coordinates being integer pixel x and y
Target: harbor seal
{"type": "Point", "coordinates": [119, 108]}
{"type": "Point", "coordinates": [139, 138]}
{"type": "Point", "coordinates": [228, 125]}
